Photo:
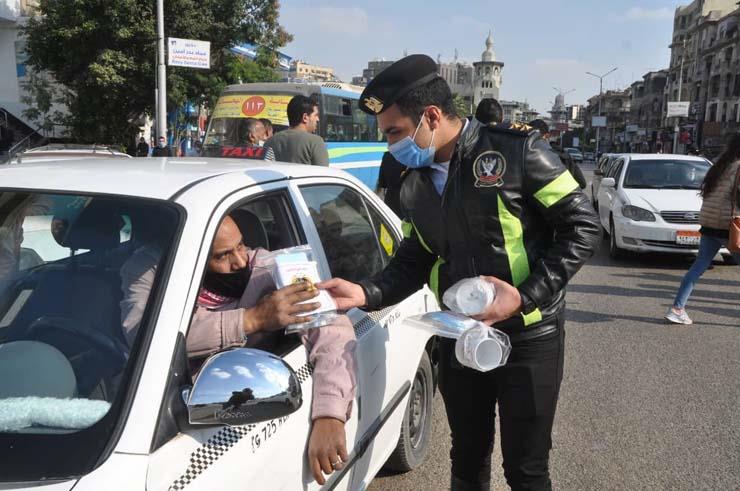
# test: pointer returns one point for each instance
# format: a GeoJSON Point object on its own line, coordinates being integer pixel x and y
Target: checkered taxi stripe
{"type": "Point", "coordinates": [370, 319]}
{"type": "Point", "coordinates": [227, 437]}
{"type": "Point", "coordinates": [222, 441]}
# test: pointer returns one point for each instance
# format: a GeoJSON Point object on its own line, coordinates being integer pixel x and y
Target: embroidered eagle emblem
{"type": "Point", "coordinates": [489, 169]}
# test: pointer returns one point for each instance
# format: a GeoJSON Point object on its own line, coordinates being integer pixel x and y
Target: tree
{"type": "Point", "coordinates": [462, 106]}
{"type": "Point", "coordinates": [104, 53]}
{"type": "Point", "coordinates": [40, 97]}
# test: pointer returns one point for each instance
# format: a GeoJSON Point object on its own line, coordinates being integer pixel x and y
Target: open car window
{"type": "Point", "coordinates": [76, 279]}
{"type": "Point", "coordinates": [356, 245]}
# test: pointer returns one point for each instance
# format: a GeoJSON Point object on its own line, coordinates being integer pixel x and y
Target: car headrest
{"type": "Point", "coordinates": [32, 368]}
{"type": "Point", "coordinates": [97, 227]}
{"type": "Point", "coordinates": [252, 229]}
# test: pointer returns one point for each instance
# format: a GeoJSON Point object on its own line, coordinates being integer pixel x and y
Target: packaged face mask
{"type": "Point", "coordinates": [296, 265]}
{"type": "Point", "coordinates": [470, 296]}
{"type": "Point", "coordinates": [477, 345]}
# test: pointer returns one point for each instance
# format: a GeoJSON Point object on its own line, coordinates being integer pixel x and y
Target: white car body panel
{"type": "Point", "coordinates": [270, 455]}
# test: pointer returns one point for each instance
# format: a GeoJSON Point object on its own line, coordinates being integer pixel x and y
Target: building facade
{"type": "Point", "coordinates": [300, 70]}
{"type": "Point", "coordinates": [459, 76]}
{"type": "Point", "coordinates": [518, 112]}
{"type": "Point", "coordinates": [645, 126]}
{"type": "Point", "coordinates": [703, 70]}
{"type": "Point", "coordinates": [615, 106]}
{"type": "Point", "coordinates": [14, 126]}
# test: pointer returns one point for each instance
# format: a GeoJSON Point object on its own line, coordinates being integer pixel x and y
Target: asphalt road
{"type": "Point", "coordinates": [644, 404]}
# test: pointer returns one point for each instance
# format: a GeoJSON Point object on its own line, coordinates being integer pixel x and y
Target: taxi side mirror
{"type": "Point", "coordinates": [608, 182]}
{"type": "Point", "coordinates": [243, 386]}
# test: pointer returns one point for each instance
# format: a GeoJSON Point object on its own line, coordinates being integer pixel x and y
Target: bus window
{"type": "Point", "coordinates": [338, 118]}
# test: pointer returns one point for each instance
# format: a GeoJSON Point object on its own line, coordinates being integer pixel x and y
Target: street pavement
{"type": "Point", "coordinates": [644, 405]}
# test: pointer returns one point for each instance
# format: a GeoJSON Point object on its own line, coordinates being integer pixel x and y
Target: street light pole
{"type": "Point", "coordinates": [601, 90]}
{"type": "Point", "coordinates": [161, 74]}
{"type": "Point", "coordinates": [680, 86]}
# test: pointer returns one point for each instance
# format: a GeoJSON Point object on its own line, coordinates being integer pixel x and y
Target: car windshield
{"type": "Point", "coordinates": [666, 174]}
{"type": "Point", "coordinates": [69, 323]}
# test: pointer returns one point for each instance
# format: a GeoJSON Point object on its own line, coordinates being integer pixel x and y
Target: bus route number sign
{"type": "Point", "coordinates": [253, 106]}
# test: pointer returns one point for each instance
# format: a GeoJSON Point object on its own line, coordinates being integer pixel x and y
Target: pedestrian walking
{"type": "Point", "coordinates": [568, 161]}
{"type": "Point", "coordinates": [142, 149]}
{"type": "Point", "coordinates": [299, 144]}
{"type": "Point", "coordinates": [491, 201]}
{"type": "Point", "coordinates": [162, 149]}
{"type": "Point", "coordinates": [489, 111]}
{"type": "Point", "coordinates": [721, 193]}
{"type": "Point", "coordinates": [389, 182]}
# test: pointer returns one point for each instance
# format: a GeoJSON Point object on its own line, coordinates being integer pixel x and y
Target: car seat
{"type": "Point", "coordinates": [252, 229]}
{"type": "Point", "coordinates": [73, 304]}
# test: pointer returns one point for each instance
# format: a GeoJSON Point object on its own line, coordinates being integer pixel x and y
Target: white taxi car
{"type": "Point", "coordinates": [83, 407]}
{"type": "Point", "coordinates": [651, 202]}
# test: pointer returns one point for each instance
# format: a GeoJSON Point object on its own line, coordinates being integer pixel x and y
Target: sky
{"type": "Point", "coordinates": [543, 44]}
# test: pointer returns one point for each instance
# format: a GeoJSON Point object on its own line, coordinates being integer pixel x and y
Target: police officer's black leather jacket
{"type": "Point", "coordinates": [510, 209]}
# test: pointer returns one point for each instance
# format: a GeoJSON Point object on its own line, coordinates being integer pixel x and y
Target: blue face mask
{"type": "Point", "coordinates": [408, 153]}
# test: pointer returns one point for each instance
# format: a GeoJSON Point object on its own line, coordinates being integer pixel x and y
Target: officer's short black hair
{"type": "Point", "coordinates": [433, 93]}
{"type": "Point", "coordinates": [298, 106]}
{"type": "Point", "coordinates": [540, 126]}
{"type": "Point", "coordinates": [489, 111]}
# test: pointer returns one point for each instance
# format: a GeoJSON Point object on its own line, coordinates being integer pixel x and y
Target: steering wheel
{"type": "Point", "coordinates": [110, 348]}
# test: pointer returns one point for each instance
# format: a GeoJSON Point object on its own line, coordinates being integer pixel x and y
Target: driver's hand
{"type": "Point", "coordinates": [327, 448]}
{"type": "Point", "coordinates": [281, 308]}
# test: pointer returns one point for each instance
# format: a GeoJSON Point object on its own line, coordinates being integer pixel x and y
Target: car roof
{"type": "Point", "coordinates": [159, 178]}
{"type": "Point", "coordinates": [663, 156]}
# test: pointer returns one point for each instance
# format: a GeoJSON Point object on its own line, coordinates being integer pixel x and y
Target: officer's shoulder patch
{"type": "Point", "coordinates": [520, 129]}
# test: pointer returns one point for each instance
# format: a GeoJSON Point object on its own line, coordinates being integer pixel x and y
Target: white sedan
{"type": "Point", "coordinates": [83, 407]}
{"type": "Point", "coordinates": [651, 202]}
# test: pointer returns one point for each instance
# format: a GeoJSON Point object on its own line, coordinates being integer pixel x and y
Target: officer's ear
{"type": "Point", "coordinates": [434, 117]}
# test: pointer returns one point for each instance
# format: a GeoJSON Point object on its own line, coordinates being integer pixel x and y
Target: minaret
{"type": "Point", "coordinates": [487, 74]}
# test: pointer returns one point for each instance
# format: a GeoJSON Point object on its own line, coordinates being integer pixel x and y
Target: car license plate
{"type": "Point", "coordinates": [687, 237]}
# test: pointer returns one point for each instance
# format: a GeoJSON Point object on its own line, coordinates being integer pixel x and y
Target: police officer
{"type": "Point", "coordinates": [565, 157]}
{"type": "Point", "coordinates": [493, 201]}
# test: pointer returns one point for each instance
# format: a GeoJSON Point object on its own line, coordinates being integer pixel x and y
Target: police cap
{"type": "Point", "coordinates": [396, 81]}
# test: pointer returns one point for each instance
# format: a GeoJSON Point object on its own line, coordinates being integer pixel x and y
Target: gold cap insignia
{"type": "Point", "coordinates": [374, 104]}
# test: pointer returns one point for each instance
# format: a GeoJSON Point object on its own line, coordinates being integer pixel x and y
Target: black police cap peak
{"type": "Point", "coordinates": [396, 81]}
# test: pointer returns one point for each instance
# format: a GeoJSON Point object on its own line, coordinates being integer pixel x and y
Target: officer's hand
{"type": "Point", "coordinates": [346, 294]}
{"type": "Point", "coordinates": [281, 308]}
{"type": "Point", "coordinates": [507, 303]}
{"type": "Point", "coordinates": [326, 446]}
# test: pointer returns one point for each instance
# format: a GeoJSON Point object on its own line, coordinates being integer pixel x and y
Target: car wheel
{"type": "Point", "coordinates": [416, 429]}
{"type": "Point", "coordinates": [614, 250]}
{"type": "Point", "coordinates": [729, 259]}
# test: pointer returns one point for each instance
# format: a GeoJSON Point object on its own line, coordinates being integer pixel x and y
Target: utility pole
{"type": "Point", "coordinates": [601, 90]}
{"type": "Point", "coordinates": [680, 86]}
{"type": "Point", "coordinates": [161, 74]}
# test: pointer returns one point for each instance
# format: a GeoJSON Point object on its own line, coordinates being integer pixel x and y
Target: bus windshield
{"type": "Point", "coordinates": [352, 138]}
{"type": "Point", "coordinates": [228, 120]}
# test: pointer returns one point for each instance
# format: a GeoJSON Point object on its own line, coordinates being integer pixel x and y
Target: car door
{"type": "Point", "coordinates": [608, 195]}
{"type": "Point", "coordinates": [358, 239]}
{"type": "Point", "coordinates": [268, 455]}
